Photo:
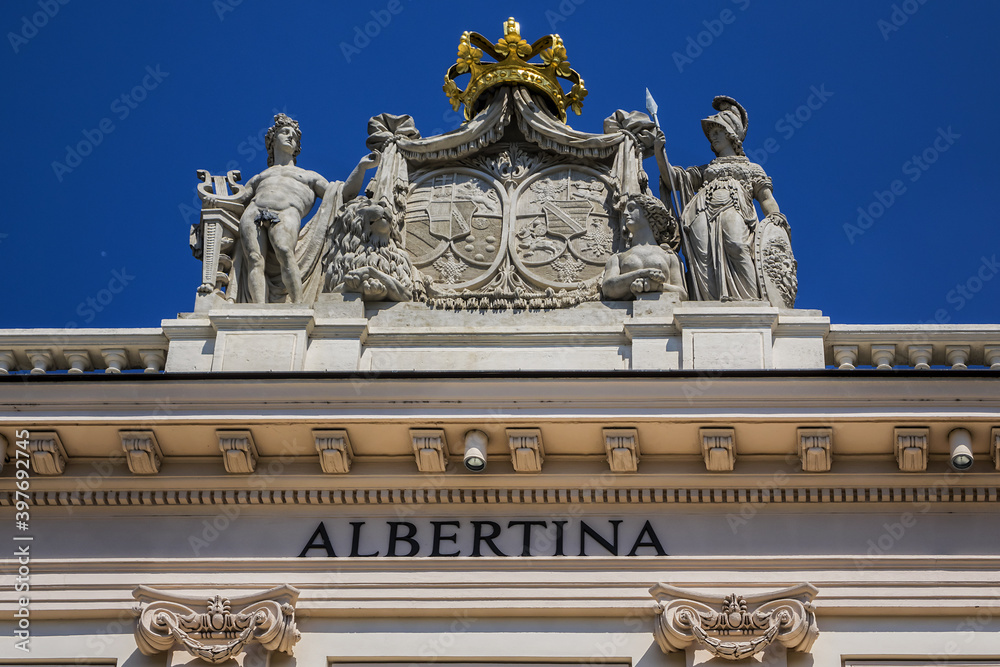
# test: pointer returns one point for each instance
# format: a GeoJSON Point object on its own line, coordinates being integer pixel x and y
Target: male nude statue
{"type": "Point", "coordinates": [278, 199]}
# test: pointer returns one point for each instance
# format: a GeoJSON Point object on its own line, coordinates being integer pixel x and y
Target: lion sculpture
{"type": "Point", "coordinates": [365, 256]}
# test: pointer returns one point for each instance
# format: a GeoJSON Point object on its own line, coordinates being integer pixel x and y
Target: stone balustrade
{"type": "Point", "coordinates": [41, 351]}
{"type": "Point", "coordinates": [844, 347]}
{"type": "Point", "coordinates": [921, 347]}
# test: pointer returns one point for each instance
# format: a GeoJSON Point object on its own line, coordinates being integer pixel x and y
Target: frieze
{"type": "Point", "coordinates": [802, 493]}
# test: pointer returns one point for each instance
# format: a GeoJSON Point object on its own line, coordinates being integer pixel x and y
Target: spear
{"type": "Point", "coordinates": [651, 109]}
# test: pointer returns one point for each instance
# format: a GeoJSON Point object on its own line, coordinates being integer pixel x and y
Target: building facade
{"type": "Point", "coordinates": [434, 431]}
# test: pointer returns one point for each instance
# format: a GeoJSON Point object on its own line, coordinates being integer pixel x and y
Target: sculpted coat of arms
{"type": "Point", "coordinates": [513, 210]}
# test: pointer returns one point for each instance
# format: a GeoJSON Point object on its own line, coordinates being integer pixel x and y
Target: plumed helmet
{"type": "Point", "coordinates": [732, 118]}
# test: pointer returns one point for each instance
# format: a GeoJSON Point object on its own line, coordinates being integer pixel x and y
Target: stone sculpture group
{"type": "Point", "coordinates": [514, 210]}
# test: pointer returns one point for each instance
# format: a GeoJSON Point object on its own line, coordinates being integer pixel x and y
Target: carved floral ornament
{"type": "Point", "coordinates": [735, 627]}
{"type": "Point", "coordinates": [166, 621]}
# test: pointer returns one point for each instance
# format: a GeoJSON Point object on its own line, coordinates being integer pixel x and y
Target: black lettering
{"type": "Point", "coordinates": [652, 541]}
{"type": "Point", "coordinates": [439, 538]}
{"type": "Point", "coordinates": [586, 530]}
{"type": "Point", "coordinates": [356, 541]}
{"type": "Point", "coordinates": [526, 539]}
{"type": "Point", "coordinates": [395, 537]}
{"type": "Point", "coordinates": [324, 543]}
{"type": "Point", "coordinates": [478, 538]}
{"type": "Point", "coordinates": [559, 537]}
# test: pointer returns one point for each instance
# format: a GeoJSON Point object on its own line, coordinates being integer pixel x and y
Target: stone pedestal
{"type": "Point", "coordinates": [343, 333]}
{"type": "Point", "coordinates": [740, 335]}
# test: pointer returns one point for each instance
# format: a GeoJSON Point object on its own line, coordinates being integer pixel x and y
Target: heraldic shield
{"type": "Point", "coordinates": [562, 233]}
{"type": "Point", "coordinates": [549, 239]}
{"type": "Point", "coordinates": [776, 266]}
{"type": "Point", "coordinates": [454, 227]}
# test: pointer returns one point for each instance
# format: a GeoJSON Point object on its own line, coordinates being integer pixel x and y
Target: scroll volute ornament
{"type": "Point", "coordinates": [166, 621]}
{"type": "Point", "coordinates": [735, 627]}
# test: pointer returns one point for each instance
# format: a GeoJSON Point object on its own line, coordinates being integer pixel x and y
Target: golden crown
{"type": "Point", "coordinates": [512, 67]}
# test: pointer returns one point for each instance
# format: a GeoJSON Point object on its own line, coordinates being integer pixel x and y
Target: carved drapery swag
{"type": "Point", "coordinates": [218, 633]}
{"type": "Point", "coordinates": [536, 123]}
{"type": "Point", "coordinates": [391, 181]}
{"type": "Point", "coordinates": [735, 627]}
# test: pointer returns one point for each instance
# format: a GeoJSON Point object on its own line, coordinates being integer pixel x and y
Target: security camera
{"type": "Point", "coordinates": [960, 441]}
{"type": "Point", "coordinates": [475, 450]}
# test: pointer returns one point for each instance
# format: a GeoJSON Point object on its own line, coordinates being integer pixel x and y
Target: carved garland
{"type": "Point", "coordinates": [217, 634]}
{"type": "Point", "coordinates": [785, 617]}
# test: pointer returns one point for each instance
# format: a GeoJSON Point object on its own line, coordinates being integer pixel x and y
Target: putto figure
{"type": "Point", "coordinates": [650, 264]}
{"type": "Point", "coordinates": [276, 201]}
{"type": "Point", "coordinates": [718, 220]}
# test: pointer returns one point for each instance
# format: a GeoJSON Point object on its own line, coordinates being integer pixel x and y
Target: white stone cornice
{"type": "Point", "coordinates": [909, 586]}
{"type": "Point", "coordinates": [611, 396]}
{"type": "Point", "coordinates": [252, 317]}
{"type": "Point", "coordinates": [576, 336]}
{"type": "Point", "coordinates": [731, 315]}
{"type": "Point", "coordinates": [224, 631]}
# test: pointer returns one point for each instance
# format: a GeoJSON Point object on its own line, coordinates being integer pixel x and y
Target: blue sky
{"type": "Point", "coordinates": [884, 106]}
